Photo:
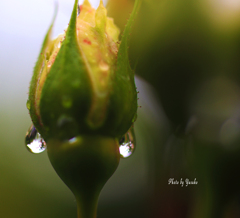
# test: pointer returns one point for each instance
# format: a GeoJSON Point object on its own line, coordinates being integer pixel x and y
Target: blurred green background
{"type": "Point", "coordinates": [186, 54]}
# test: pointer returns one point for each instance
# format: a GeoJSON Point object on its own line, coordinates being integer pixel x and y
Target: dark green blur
{"type": "Point", "coordinates": [189, 51]}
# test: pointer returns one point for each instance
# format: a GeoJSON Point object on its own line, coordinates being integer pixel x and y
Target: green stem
{"type": "Point", "coordinates": [85, 163]}
{"type": "Point", "coordinates": [87, 209]}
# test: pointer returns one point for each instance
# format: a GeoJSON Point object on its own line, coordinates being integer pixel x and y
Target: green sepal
{"type": "Point", "coordinates": [31, 102]}
{"type": "Point", "coordinates": [124, 94]}
{"type": "Point", "coordinates": [123, 59]}
{"type": "Point", "coordinates": [66, 94]}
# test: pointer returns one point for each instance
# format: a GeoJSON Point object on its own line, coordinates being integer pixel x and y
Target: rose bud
{"type": "Point", "coordinates": [83, 102]}
{"type": "Point", "coordinates": [82, 82]}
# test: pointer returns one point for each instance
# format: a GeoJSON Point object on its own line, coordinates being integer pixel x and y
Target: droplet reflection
{"type": "Point", "coordinates": [34, 142]}
{"type": "Point", "coordinates": [72, 140]}
{"type": "Point", "coordinates": [127, 144]}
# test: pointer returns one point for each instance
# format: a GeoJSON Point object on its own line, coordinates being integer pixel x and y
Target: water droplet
{"type": "Point", "coordinates": [127, 144]}
{"type": "Point", "coordinates": [67, 127]}
{"type": "Point", "coordinates": [28, 104]}
{"type": "Point", "coordinates": [59, 45]}
{"type": "Point", "coordinates": [66, 101]}
{"type": "Point", "coordinates": [76, 83]}
{"type": "Point", "coordinates": [72, 140]}
{"type": "Point", "coordinates": [103, 66]}
{"type": "Point", "coordinates": [134, 118]}
{"type": "Point", "coordinates": [34, 142]}
{"type": "Point", "coordinates": [64, 120]}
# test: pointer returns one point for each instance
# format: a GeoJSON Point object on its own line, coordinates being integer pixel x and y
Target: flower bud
{"type": "Point", "coordinates": [82, 100]}
{"type": "Point", "coordinates": [82, 82]}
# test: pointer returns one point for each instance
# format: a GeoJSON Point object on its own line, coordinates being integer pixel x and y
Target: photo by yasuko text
{"type": "Point", "coordinates": [182, 182]}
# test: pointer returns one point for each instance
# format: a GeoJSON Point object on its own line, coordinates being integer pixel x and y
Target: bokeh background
{"type": "Point", "coordinates": [186, 54]}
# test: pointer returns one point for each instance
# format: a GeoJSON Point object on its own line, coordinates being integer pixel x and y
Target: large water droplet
{"type": "Point", "coordinates": [34, 142]}
{"type": "Point", "coordinates": [127, 144]}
